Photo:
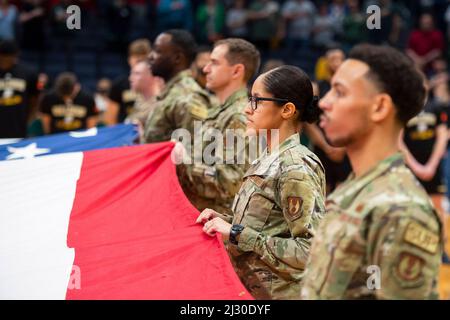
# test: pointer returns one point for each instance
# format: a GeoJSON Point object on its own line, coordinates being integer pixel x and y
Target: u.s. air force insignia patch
{"type": "Point", "coordinates": [295, 207]}
{"type": "Point", "coordinates": [409, 268]}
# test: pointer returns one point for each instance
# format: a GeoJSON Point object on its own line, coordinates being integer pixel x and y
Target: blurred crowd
{"type": "Point", "coordinates": [269, 24]}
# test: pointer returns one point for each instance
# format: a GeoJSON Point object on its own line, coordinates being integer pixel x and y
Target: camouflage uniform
{"type": "Point", "coordinates": [280, 204]}
{"type": "Point", "coordinates": [214, 186]}
{"type": "Point", "coordinates": [181, 103]}
{"type": "Point", "coordinates": [382, 219]}
{"type": "Point", "coordinates": [141, 110]}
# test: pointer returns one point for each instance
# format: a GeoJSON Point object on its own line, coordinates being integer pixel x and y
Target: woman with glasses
{"type": "Point", "coordinates": [281, 201]}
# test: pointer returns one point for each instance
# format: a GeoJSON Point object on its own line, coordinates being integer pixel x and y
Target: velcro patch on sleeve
{"type": "Point", "coordinates": [421, 237]}
{"type": "Point", "coordinates": [199, 112]}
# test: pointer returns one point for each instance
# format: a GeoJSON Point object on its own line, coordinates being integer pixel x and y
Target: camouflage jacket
{"type": "Point", "coordinates": [380, 239]}
{"type": "Point", "coordinates": [141, 110]}
{"type": "Point", "coordinates": [280, 204]}
{"type": "Point", "coordinates": [181, 103]}
{"type": "Point", "coordinates": [215, 185]}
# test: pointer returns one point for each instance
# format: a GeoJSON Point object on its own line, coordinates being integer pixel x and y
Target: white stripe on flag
{"type": "Point", "coordinates": [36, 198]}
{"type": "Point", "coordinates": [8, 141]}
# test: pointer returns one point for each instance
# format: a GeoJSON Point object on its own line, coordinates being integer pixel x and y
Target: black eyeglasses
{"type": "Point", "coordinates": [254, 101]}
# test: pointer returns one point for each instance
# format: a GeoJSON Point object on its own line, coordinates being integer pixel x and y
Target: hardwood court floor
{"type": "Point", "coordinates": [444, 277]}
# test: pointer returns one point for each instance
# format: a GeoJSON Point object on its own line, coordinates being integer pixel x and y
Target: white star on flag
{"type": "Point", "coordinates": [27, 152]}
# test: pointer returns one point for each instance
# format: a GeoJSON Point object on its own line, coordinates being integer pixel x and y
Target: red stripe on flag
{"type": "Point", "coordinates": [135, 236]}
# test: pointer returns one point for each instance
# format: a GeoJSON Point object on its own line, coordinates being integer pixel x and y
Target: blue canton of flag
{"type": "Point", "coordinates": [91, 139]}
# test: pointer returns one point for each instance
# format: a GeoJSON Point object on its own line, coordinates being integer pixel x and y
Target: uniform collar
{"type": "Point", "coordinates": [237, 95]}
{"type": "Point", "coordinates": [354, 185]}
{"type": "Point", "coordinates": [388, 163]}
{"type": "Point", "coordinates": [172, 82]}
{"type": "Point", "coordinates": [290, 142]}
{"type": "Point", "coordinates": [262, 165]}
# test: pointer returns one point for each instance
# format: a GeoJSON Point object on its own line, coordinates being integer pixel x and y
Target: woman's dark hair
{"type": "Point", "coordinates": [293, 84]}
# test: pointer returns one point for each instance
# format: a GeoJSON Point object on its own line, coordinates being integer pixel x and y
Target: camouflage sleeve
{"type": "Point", "coordinates": [158, 125]}
{"type": "Point", "coordinates": [407, 248]}
{"type": "Point", "coordinates": [222, 180]}
{"type": "Point", "coordinates": [178, 113]}
{"type": "Point", "coordinates": [302, 204]}
{"type": "Point", "coordinates": [189, 110]}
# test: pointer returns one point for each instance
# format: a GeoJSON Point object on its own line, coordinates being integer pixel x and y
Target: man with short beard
{"type": "Point", "coordinates": [381, 236]}
{"type": "Point", "coordinates": [183, 101]}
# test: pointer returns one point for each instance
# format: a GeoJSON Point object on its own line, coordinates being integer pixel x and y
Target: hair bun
{"type": "Point", "coordinates": [312, 111]}
{"type": "Point", "coordinates": [314, 101]}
